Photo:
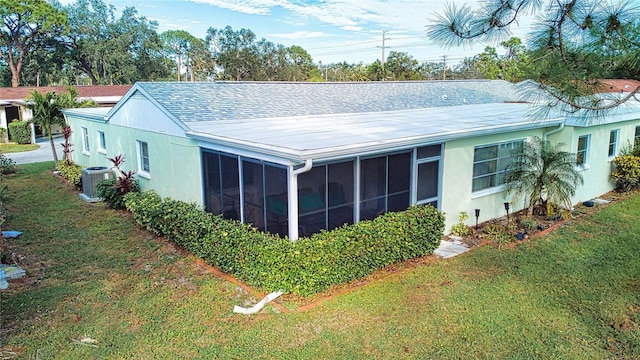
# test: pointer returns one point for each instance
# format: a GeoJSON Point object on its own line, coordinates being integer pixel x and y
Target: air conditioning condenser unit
{"type": "Point", "coordinates": [91, 176]}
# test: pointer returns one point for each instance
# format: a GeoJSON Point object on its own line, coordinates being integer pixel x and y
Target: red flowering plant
{"type": "Point", "coordinates": [112, 191]}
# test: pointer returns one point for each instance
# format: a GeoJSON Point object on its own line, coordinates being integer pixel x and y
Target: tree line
{"type": "Point", "coordinates": [45, 43]}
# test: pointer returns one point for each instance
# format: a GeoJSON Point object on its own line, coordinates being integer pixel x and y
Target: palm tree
{"type": "Point", "coordinates": [544, 173]}
{"type": "Point", "coordinates": [47, 110]}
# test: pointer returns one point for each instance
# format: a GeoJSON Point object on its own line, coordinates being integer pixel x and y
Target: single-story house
{"type": "Point", "coordinates": [13, 100]}
{"type": "Point", "coordinates": [295, 158]}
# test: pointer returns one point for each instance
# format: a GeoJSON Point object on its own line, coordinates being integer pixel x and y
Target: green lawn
{"type": "Point", "coordinates": [7, 148]}
{"type": "Point", "coordinates": [572, 295]}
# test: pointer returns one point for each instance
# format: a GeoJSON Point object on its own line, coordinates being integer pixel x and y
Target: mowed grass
{"type": "Point", "coordinates": [7, 148]}
{"type": "Point", "coordinates": [91, 273]}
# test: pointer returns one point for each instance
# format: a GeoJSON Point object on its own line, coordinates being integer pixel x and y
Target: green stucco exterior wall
{"type": "Point", "coordinates": [175, 169]}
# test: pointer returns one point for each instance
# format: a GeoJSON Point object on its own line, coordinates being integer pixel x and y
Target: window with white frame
{"type": "Point", "coordinates": [636, 138]}
{"type": "Point", "coordinates": [583, 151]}
{"type": "Point", "coordinates": [490, 163]}
{"type": "Point", "coordinates": [85, 141]}
{"type": "Point", "coordinates": [143, 159]}
{"type": "Point", "coordinates": [102, 143]}
{"type": "Point", "coordinates": [613, 142]}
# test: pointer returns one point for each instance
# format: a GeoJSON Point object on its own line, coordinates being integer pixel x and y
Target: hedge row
{"type": "Point", "coordinates": [20, 132]}
{"type": "Point", "coordinates": [305, 266]}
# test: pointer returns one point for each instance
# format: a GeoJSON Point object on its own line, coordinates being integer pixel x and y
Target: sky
{"type": "Point", "coordinates": [330, 30]}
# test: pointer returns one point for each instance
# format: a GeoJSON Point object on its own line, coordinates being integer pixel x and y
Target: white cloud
{"type": "Point", "coordinates": [351, 15]}
{"type": "Point", "coordinates": [300, 35]}
{"type": "Point", "coordinates": [352, 28]}
{"type": "Point", "coordinates": [252, 7]}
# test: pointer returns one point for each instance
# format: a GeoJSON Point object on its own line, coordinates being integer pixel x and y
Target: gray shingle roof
{"type": "Point", "coordinates": [212, 101]}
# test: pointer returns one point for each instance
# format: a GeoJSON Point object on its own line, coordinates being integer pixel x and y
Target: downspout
{"type": "Point", "coordinates": [293, 198]}
{"type": "Point", "coordinates": [257, 307]}
{"type": "Point", "coordinates": [558, 129]}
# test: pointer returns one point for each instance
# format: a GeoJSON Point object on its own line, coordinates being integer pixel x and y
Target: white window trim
{"type": "Point", "coordinates": [85, 141]}
{"type": "Point", "coordinates": [101, 149]}
{"type": "Point", "coordinates": [492, 189]}
{"type": "Point", "coordinates": [585, 164]}
{"type": "Point", "coordinates": [616, 145]}
{"type": "Point", "coordinates": [142, 173]}
{"type": "Point", "coordinates": [488, 191]}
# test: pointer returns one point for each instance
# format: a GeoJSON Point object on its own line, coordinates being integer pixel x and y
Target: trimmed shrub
{"type": "Point", "coordinates": [20, 132]}
{"type": "Point", "coordinates": [71, 172]}
{"type": "Point", "coordinates": [627, 172]}
{"type": "Point", "coordinates": [305, 266]}
{"type": "Point", "coordinates": [7, 165]}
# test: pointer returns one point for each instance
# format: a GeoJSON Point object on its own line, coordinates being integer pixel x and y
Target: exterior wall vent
{"type": "Point", "coordinates": [91, 176]}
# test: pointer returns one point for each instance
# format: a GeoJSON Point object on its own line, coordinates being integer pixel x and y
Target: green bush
{"type": "Point", "coordinates": [305, 266]}
{"type": "Point", "coordinates": [7, 165]}
{"type": "Point", "coordinates": [71, 172]}
{"type": "Point", "coordinates": [110, 191]}
{"type": "Point", "coordinates": [631, 149]}
{"type": "Point", "coordinates": [3, 135]}
{"type": "Point", "coordinates": [627, 172]}
{"type": "Point", "coordinates": [20, 132]}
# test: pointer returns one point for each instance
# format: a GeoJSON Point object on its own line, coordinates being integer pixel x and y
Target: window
{"type": "Point", "coordinates": [428, 173]}
{"type": "Point", "coordinates": [85, 141]}
{"type": "Point", "coordinates": [102, 143]}
{"type": "Point", "coordinates": [490, 163]}
{"type": "Point", "coordinates": [636, 138]}
{"type": "Point", "coordinates": [143, 159]}
{"type": "Point", "coordinates": [613, 142]}
{"type": "Point", "coordinates": [583, 149]}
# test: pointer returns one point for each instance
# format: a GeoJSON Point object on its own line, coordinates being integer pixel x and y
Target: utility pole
{"type": "Point", "coordinates": [444, 67]}
{"type": "Point", "coordinates": [384, 32]}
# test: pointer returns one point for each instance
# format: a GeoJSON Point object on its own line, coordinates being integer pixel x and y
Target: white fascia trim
{"type": "Point", "coordinates": [101, 118]}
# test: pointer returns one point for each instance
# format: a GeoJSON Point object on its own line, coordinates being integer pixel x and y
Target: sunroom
{"type": "Point", "coordinates": [324, 179]}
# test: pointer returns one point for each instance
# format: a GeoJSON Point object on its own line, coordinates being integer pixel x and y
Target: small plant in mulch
{"type": "Point", "coordinates": [460, 229]}
{"type": "Point", "coordinates": [523, 226]}
{"type": "Point", "coordinates": [520, 227]}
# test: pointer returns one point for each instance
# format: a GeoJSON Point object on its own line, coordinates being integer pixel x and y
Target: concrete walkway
{"type": "Point", "coordinates": [44, 153]}
{"type": "Point", "coordinates": [451, 247]}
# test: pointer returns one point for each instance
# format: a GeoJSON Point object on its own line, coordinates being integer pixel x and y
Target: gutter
{"type": "Point", "coordinates": [558, 129]}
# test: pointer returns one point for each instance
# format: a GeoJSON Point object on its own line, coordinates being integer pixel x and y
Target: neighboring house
{"type": "Point", "coordinates": [294, 158]}
{"type": "Point", "coordinates": [13, 100]}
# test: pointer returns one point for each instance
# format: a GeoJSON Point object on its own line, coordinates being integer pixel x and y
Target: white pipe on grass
{"type": "Point", "coordinates": [257, 307]}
